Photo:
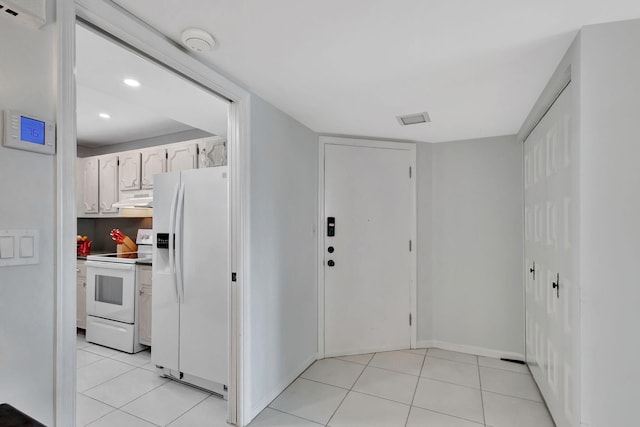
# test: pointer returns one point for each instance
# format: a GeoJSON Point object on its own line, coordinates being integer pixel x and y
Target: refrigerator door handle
{"type": "Point", "coordinates": [172, 243]}
{"type": "Point", "coordinates": [179, 227]}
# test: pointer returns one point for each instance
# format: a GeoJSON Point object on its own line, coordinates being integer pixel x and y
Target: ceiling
{"type": "Point", "coordinates": [163, 104]}
{"type": "Point", "coordinates": [350, 67]}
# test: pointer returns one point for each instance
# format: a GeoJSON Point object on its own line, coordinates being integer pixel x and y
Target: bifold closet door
{"type": "Point", "coordinates": [549, 287]}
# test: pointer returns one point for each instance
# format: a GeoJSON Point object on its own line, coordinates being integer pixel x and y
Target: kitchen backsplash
{"type": "Point", "coordinates": [97, 229]}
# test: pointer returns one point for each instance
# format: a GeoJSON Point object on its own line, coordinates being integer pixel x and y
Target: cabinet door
{"type": "Point", "coordinates": [153, 162]}
{"type": "Point", "coordinates": [108, 181]}
{"type": "Point", "coordinates": [181, 157]}
{"type": "Point", "coordinates": [215, 149]}
{"type": "Point", "coordinates": [129, 171]}
{"type": "Point", "coordinates": [89, 175]}
{"type": "Point", "coordinates": [81, 295]}
{"type": "Point", "coordinates": [144, 305]}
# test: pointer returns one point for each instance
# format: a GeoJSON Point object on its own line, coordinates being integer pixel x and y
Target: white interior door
{"type": "Point", "coordinates": [549, 287]}
{"type": "Point", "coordinates": [367, 261]}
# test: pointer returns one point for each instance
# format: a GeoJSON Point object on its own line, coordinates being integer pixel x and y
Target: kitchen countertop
{"type": "Point", "coordinates": [141, 261]}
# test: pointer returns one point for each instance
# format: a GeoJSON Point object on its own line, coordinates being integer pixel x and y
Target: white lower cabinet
{"type": "Point", "coordinates": [81, 295]}
{"type": "Point", "coordinates": [144, 304]}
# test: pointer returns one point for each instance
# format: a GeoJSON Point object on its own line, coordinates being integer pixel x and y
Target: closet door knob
{"type": "Point", "coordinates": [556, 285]}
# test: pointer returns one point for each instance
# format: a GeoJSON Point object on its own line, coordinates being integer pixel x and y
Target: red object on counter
{"type": "Point", "coordinates": [84, 248]}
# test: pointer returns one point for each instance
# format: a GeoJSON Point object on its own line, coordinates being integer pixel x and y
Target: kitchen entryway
{"type": "Point", "coordinates": [410, 388]}
{"type": "Point", "coordinates": [126, 390]}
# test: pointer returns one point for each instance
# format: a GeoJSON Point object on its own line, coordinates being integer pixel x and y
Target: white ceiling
{"type": "Point", "coordinates": [162, 105]}
{"type": "Point", "coordinates": [351, 66]}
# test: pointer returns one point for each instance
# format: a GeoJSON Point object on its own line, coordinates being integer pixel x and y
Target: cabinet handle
{"type": "Point", "coordinates": [556, 285]}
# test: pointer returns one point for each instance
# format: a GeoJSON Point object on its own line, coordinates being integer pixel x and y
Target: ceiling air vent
{"type": "Point", "coordinates": [414, 119]}
{"type": "Point", "coordinates": [31, 13]}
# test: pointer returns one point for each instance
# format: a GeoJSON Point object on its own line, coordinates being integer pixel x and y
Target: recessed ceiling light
{"type": "Point", "coordinates": [104, 116]}
{"type": "Point", "coordinates": [414, 119]}
{"type": "Point", "coordinates": [131, 82]}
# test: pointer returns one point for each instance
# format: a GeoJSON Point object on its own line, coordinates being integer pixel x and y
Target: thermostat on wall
{"type": "Point", "coordinates": [27, 132]}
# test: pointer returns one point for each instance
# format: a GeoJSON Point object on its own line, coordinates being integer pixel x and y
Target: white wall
{"type": "Point", "coordinates": [424, 186]}
{"type": "Point", "coordinates": [282, 291]}
{"type": "Point", "coordinates": [470, 254]}
{"type": "Point", "coordinates": [609, 230]}
{"type": "Point", "coordinates": [27, 191]}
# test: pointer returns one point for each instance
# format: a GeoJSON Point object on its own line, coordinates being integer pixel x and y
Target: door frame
{"type": "Point", "coordinates": [117, 22]}
{"type": "Point", "coordinates": [358, 142]}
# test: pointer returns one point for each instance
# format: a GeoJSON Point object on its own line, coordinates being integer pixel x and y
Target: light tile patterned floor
{"type": "Point", "coordinates": [408, 388]}
{"type": "Point", "coordinates": [117, 389]}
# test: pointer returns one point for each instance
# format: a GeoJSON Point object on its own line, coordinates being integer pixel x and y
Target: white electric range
{"type": "Point", "coordinates": [112, 296]}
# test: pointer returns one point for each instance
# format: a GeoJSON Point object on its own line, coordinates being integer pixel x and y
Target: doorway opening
{"type": "Point", "coordinates": [138, 119]}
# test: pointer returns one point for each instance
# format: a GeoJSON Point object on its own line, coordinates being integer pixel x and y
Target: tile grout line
{"type": "Point", "coordinates": [286, 413]}
{"type": "Point", "coordinates": [143, 394]}
{"type": "Point", "coordinates": [415, 390]}
{"type": "Point", "coordinates": [185, 412]}
{"type": "Point", "coordinates": [105, 381]}
{"type": "Point", "coordinates": [516, 397]}
{"type": "Point", "coordinates": [484, 417]}
{"type": "Point", "coordinates": [350, 390]}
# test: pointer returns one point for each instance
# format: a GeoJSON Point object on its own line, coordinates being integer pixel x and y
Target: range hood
{"type": "Point", "coordinates": [141, 200]}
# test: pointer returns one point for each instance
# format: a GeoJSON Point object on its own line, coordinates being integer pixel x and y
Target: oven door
{"type": "Point", "coordinates": [111, 290]}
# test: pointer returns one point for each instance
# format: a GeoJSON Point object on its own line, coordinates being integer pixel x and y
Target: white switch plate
{"type": "Point", "coordinates": [25, 244]}
{"type": "Point", "coordinates": [7, 247]}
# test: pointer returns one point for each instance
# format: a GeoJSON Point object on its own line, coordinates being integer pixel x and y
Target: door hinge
{"type": "Point", "coordinates": [233, 277]}
{"type": "Point", "coordinates": [410, 319]}
{"type": "Point", "coordinates": [410, 245]}
{"type": "Point", "coordinates": [197, 149]}
{"type": "Point", "coordinates": [118, 162]}
{"type": "Point", "coordinates": [166, 155]}
{"type": "Point", "coordinates": [409, 171]}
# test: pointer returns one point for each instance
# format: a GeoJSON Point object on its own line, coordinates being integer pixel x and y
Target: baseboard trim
{"type": "Point", "coordinates": [462, 348]}
{"type": "Point", "coordinates": [363, 351]}
{"type": "Point", "coordinates": [279, 388]}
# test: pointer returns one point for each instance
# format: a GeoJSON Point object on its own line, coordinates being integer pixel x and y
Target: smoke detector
{"type": "Point", "coordinates": [31, 13]}
{"type": "Point", "coordinates": [197, 40]}
{"type": "Point", "coordinates": [414, 119]}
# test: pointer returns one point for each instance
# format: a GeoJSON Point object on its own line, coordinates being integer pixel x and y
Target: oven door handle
{"type": "Point", "coordinates": [179, 227]}
{"type": "Point", "coordinates": [172, 243]}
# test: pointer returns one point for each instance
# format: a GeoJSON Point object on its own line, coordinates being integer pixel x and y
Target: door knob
{"type": "Point", "coordinates": [330, 263]}
{"type": "Point", "coordinates": [532, 270]}
{"type": "Point", "coordinates": [556, 285]}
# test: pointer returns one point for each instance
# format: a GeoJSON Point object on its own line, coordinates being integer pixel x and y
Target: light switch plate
{"type": "Point", "coordinates": [24, 244]}
{"type": "Point", "coordinates": [7, 247]}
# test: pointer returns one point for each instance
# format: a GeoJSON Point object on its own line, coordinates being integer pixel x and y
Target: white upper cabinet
{"type": "Point", "coordinates": [129, 171]}
{"type": "Point", "coordinates": [89, 185]}
{"type": "Point", "coordinates": [108, 183]}
{"type": "Point", "coordinates": [182, 156]}
{"type": "Point", "coordinates": [212, 152]}
{"type": "Point", "coordinates": [153, 161]}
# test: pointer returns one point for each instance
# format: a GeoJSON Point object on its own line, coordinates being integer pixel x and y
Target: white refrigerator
{"type": "Point", "coordinates": [190, 296]}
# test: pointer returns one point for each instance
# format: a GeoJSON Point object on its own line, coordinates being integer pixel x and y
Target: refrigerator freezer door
{"type": "Point", "coordinates": [204, 325]}
{"type": "Point", "coordinates": [165, 308]}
